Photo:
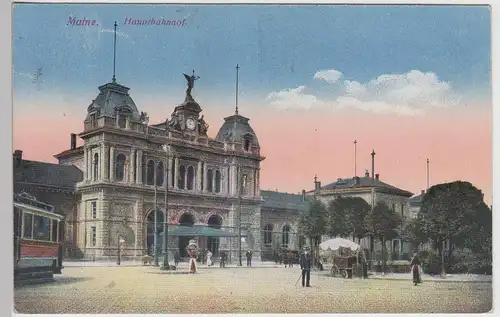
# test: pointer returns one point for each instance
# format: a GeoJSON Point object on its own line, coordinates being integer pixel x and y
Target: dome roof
{"type": "Point", "coordinates": [113, 97]}
{"type": "Point", "coordinates": [235, 128]}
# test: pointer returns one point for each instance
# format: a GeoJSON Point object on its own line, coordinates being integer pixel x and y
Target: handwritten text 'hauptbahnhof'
{"type": "Point", "coordinates": [73, 21]}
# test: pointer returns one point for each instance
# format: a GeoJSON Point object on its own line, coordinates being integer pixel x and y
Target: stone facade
{"type": "Point", "coordinates": [372, 190]}
{"type": "Point", "coordinates": [129, 165]}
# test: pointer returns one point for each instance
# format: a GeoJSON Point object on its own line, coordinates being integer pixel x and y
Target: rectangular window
{"type": "Point", "coordinates": [28, 226]}
{"type": "Point", "coordinates": [41, 228]}
{"type": "Point", "coordinates": [17, 222]}
{"type": "Point", "coordinates": [55, 230]}
{"type": "Point", "coordinates": [93, 239]}
{"type": "Point", "coordinates": [394, 207]}
{"type": "Point", "coordinates": [93, 208]}
{"type": "Point", "coordinates": [402, 211]}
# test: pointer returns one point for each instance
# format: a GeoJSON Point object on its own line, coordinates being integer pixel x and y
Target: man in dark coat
{"type": "Point", "coordinates": [249, 258]}
{"type": "Point", "coordinates": [415, 269]}
{"type": "Point", "coordinates": [305, 265]}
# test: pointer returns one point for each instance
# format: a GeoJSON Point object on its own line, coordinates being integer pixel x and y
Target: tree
{"type": "Point", "coordinates": [382, 223]}
{"type": "Point", "coordinates": [346, 216]}
{"type": "Point", "coordinates": [414, 235]}
{"type": "Point", "coordinates": [479, 239]}
{"type": "Point", "coordinates": [448, 211]}
{"type": "Point", "coordinates": [312, 222]}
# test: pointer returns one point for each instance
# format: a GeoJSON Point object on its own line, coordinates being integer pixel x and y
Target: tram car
{"type": "Point", "coordinates": [38, 249]}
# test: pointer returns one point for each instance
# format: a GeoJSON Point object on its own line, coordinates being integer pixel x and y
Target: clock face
{"type": "Point", "coordinates": [190, 124]}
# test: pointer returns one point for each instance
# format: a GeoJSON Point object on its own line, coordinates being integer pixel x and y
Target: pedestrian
{"type": "Point", "coordinates": [416, 269]}
{"type": "Point", "coordinates": [249, 258]}
{"type": "Point", "coordinates": [222, 259]}
{"type": "Point", "coordinates": [290, 259]}
{"type": "Point", "coordinates": [177, 258]}
{"type": "Point", "coordinates": [209, 258]}
{"type": "Point", "coordinates": [305, 266]}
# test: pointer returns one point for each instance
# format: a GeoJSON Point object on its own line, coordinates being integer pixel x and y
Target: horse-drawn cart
{"type": "Point", "coordinates": [346, 257]}
{"type": "Point", "coordinates": [343, 266]}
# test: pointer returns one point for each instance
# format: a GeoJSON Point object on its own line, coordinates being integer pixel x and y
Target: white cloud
{"type": "Point", "coordinates": [330, 76]}
{"type": "Point", "coordinates": [295, 98]}
{"type": "Point", "coordinates": [408, 94]}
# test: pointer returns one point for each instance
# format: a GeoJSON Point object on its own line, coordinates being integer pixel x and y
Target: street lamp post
{"type": "Point", "coordinates": [166, 266]}
{"type": "Point", "coordinates": [155, 230]}
{"type": "Point", "coordinates": [239, 216]}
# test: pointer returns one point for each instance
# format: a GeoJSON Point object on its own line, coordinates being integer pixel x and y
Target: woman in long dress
{"type": "Point", "coordinates": [209, 258]}
{"type": "Point", "coordinates": [192, 249]}
{"type": "Point", "coordinates": [415, 269]}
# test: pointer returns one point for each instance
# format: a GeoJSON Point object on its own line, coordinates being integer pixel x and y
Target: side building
{"type": "Point", "coordinates": [372, 190]}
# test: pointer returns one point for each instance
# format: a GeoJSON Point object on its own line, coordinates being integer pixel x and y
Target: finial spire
{"type": "Point", "coordinates": [114, 56]}
{"type": "Point", "coordinates": [237, 73]}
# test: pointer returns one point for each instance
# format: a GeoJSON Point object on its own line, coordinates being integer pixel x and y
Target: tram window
{"type": "Point", "coordinates": [17, 222]}
{"type": "Point", "coordinates": [41, 228]}
{"type": "Point", "coordinates": [55, 224]}
{"type": "Point", "coordinates": [28, 226]}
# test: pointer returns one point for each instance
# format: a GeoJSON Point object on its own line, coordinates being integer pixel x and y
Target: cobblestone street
{"type": "Point", "coordinates": [98, 290]}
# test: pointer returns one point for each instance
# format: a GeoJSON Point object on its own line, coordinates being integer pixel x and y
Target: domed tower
{"type": "Point", "coordinates": [113, 106]}
{"type": "Point", "coordinates": [237, 131]}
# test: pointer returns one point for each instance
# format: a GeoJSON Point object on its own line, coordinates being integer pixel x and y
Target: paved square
{"type": "Point", "coordinates": [98, 290]}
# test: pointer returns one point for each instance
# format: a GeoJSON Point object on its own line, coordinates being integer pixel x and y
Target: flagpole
{"type": "Point", "coordinates": [355, 157]}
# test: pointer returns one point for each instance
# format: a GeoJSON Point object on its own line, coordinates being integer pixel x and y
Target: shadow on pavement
{"type": "Point", "coordinates": [169, 272]}
{"type": "Point", "coordinates": [59, 280]}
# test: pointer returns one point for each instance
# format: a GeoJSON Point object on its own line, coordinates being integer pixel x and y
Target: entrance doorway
{"type": "Point", "coordinates": [213, 243]}
{"type": "Point", "coordinates": [185, 220]}
{"type": "Point", "coordinates": [151, 232]}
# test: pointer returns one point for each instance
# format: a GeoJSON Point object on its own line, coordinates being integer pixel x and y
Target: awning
{"type": "Point", "coordinates": [199, 231]}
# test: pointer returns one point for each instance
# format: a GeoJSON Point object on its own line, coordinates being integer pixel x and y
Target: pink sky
{"type": "Point", "coordinates": [298, 145]}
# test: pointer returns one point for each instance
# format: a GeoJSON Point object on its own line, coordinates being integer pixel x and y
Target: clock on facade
{"type": "Point", "coordinates": [190, 124]}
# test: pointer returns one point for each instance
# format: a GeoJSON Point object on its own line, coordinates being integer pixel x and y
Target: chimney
{"type": "Point", "coordinates": [377, 176]}
{"type": "Point", "coordinates": [422, 192]}
{"type": "Point", "coordinates": [303, 195]}
{"type": "Point", "coordinates": [373, 163]}
{"type": "Point", "coordinates": [317, 184]}
{"type": "Point", "coordinates": [356, 180]}
{"type": "Point", "coordinates": [18, 158]}
{"type": "Point", "coordinates": [73, 141]}
{"type": "Point", "coordinates": [367, 174]}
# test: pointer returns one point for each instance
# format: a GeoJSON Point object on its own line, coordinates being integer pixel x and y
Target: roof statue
{"type": "Point", "coordinates": [190, 83]}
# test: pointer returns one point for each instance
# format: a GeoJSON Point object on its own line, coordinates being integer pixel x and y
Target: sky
{"type": "Point", "coordinates": [410, 82]}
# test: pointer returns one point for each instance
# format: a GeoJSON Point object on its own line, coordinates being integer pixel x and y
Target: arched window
{"type": "Point", "coordinates": [182, 176]}
{"type": "Point", "coordinates": [247, 145]}
{"type": "Point", "coordinates": [96, 166]}
{"type": "Point", "coordinates": [150, 172]}
{"type": "Point", "coordinates": [159, 174]}
{"type": "Point", "coordinates": [120, 167]}
{"type": "Point", "coordinates": [210, 177]}
{"type": "Point", "coordinates": [268, 235]}
{"type": "Point", "coordinates": [244, 184]}
{"type": "Point", "coordinates": [285, 237]}
{"type": "Point", "coordinates": [217, 181]}
{"type": "Point", "coordinates": [190, 178]}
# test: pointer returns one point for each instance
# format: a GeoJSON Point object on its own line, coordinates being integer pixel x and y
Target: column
{"type": "Point", "coordinates": [138, 172]}
{"type": "Point", "coordinates": [198, 177]}
{"type": "Point", "coordinates": [176, 173]}
{"type": "Point", "coordinates": [228, 180]}
{"type": "Point", "coordinates": [234, 183]}
{"type": "Point", "coordinates": [85, 164]}
{"type": "Point", "coordinates": [101, 162]}
{"type": "Point", "coordinates": [170, 171]}
{"type": "Point", "coordinates": [205, 181]}
{"type": "Point", "coordinates": [89, 163]}
{"type": "Point", "coordinates": [112, 163]}
{"type": "Point", "coordinates": [131, 168]}
{"type": "Point", "coordinates": [213, 180]}
{"type": "Point", "coordinates": [223, 176]}
{"type": "Point", "coordinates": [105, 162]}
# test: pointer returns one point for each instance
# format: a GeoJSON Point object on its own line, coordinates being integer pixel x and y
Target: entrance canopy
{"type": "Point", "coordinates": [199, 231]}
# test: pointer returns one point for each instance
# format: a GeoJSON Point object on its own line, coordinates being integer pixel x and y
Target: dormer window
{"type": "Point", "coordinates": [93, 120]}
{"type": "Point", "coordinates": [247, 142]}
{"type": "Point", "coordinates": [123, 114]}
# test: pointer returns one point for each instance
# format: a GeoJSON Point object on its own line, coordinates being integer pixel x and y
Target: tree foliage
{"type": "Point", "coordinates": [455, 211]}
{"type": "Point", "coordinates": [383, 222]}
{"type": "Point", "coordinates": [346, 217]}
{"type": "Point", "coordinates": [448, 210]}
{"type": "Point", "coordinates": [312, 222]}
